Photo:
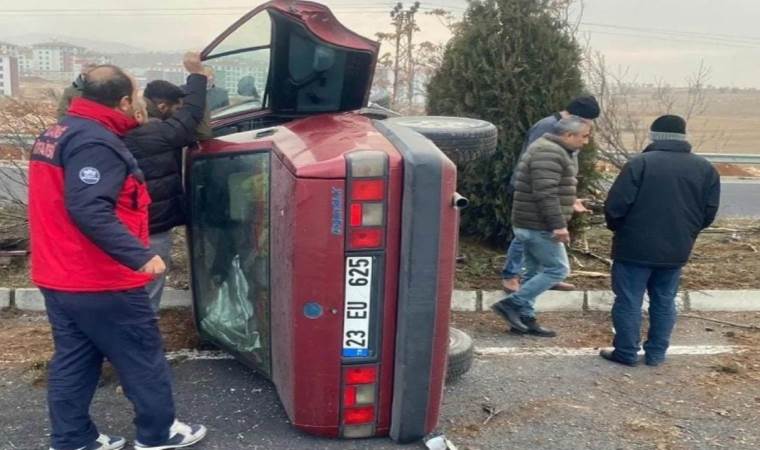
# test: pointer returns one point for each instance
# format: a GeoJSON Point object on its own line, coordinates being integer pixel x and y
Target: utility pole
{"type": "Point", "coordinates": [404, 22]}
{"type": "Point", "coordinates": [411, 28]}
{"type": "Point", "coordinates": [398, 21]}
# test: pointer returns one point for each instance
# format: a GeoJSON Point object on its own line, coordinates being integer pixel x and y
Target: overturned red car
{"type": "Point", "coordinates": [323, 236]}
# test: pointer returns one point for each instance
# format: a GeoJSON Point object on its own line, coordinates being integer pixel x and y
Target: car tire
{"type": "Point", "coordinates": [461, 353]}
{"type": "Point", "coordinates": [462, 139]}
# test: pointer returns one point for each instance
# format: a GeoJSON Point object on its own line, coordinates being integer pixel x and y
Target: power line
{"type": "Point", "coordinates": [733, 37]}
{"type": "Point", "coordinates": [674, 38]}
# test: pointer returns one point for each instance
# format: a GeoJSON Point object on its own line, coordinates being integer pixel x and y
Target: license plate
{"type": "Point", "coordinates": [356, 315]}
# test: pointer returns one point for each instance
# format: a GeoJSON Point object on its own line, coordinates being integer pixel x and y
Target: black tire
{"type": "Point", "coordinates": [461, 352]}
{"type": "Point", "coordinates": [460, 138]}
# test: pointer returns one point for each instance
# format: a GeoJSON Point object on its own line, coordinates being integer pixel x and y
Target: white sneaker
{"type": "Point", "coordinates": [180, 435]}
{"type": "Point", "coordinates": [105, 442]}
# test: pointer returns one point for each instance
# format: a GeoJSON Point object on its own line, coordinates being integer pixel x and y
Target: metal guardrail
{"type": "Point", "coordinates": [728, 158]}
{"type": "Point", "coordinates": [731, 158]}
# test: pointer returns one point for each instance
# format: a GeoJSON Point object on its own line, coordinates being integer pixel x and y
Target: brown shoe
{"type": "Point", "coordinates": [510, 285]}
{"type": "Point", "coordinates": [562, 286]}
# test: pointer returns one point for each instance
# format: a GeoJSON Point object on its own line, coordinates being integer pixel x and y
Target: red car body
{"type": "Point", "coordinates": [323, 241]}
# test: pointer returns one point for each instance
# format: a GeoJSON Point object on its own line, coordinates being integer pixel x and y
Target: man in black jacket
{"type": "Point", "coordinates": [174, 116]}
{"type": "Point", "coordinates": [657, 207]}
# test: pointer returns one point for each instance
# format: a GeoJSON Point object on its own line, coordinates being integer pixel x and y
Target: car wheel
{"type": "Point", "coordinates": [461, 350]}
{"type": "Point", "coordinates": [460, 138]}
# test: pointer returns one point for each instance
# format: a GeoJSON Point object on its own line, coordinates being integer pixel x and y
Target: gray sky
{"type": "Point", "coordinates": [655, 39]}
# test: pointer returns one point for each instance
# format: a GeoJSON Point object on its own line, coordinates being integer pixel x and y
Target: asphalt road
{"type": "Point", "coordinates": [552, 394]}
{"type": "Point", "coordinates": [740, 199]}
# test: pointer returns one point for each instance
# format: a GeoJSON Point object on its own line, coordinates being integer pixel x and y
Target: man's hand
{"type": "Point", "coordinates": [155, 266]}
{"type": "Point", "coordinates": [193, 63]}
{"type": "Point", "coordinates": [579, 207]}
{"type": "Point", "coordinates": [561, 235]}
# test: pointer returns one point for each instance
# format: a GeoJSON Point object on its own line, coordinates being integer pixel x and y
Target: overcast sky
{"type": "Point", "coordinates": [663, 39]}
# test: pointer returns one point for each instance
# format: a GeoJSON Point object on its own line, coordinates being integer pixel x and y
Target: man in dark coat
{"type": "Point", "coordinates": [657, 207]}
{"type": "Point", "coordinates": [173, 119]}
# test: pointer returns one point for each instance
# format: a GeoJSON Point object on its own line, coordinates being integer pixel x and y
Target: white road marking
{"type": "Point", "coordinates": [683, 350]}
{"type": "Point", "coordinates": [688, 350]}
{"type": "Point", "coordinates": [196, 355]}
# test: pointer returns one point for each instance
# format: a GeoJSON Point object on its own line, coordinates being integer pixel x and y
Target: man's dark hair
{"type": "Point", "coordinates": [107, 85]}
{"type": "Point", "coordinates": [163, 91]}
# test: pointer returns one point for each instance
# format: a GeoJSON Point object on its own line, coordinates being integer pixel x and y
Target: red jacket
{"type": "Point", "coordinates": [88, 204]}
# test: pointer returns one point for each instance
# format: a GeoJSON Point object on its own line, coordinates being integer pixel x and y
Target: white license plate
{"type": "Point", "coordinates": [356, 315]}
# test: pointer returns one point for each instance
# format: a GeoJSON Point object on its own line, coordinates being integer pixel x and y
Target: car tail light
{"type": "Point", "coordinates": [357, 214]}
{"type": "Point", "coordinates": [349, 396]}
{"type": "Point", "coordinates": [355, 416]}
{"type": "Point", "coordinates": [359, 401]}
{"type": "Point", "coordinates": [366, 238]}
{"type": "Point", "coordinates": [361, 375]}
{"type": "Point", "coordinates": [365, 394]}
{"type": "Point", "coordinates": [367, 199]}
{"type": "Point", "coordinates": [359, 431]}
{"type": "Point", "coordinates": [368, 190]}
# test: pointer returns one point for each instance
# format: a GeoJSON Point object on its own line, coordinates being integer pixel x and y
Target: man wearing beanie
{"type": "Point", "coordinates": [585, 107]}
{"type": "Point", "coordinates": [657, 206]}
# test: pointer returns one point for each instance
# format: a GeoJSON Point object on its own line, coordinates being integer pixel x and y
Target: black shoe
{"type": "Point", "coordinates": [535, 329]}
{"type": "Point", "coordinates": [653, 362]}
{"type": "Point", "coordinates": [610, 355]}
{"type": "Point", "coordinates": [508, 313]}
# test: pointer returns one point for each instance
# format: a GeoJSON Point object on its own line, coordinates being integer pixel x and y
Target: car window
{"type": "Point", "coordinates": [230, 226]}
{"type": "Point", "coordinates": [241, 68]}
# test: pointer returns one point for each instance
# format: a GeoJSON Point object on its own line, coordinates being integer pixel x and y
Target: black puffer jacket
{"type": "Point", "coordinates": [659, 203]}
{"type": "Point", "coordinates": [157, 145]}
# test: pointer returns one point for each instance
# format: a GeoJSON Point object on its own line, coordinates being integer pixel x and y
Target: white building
{"type": "Point", "coordinates": [9, 75]}
{"type": "Point", "coordinates": [55, 57]}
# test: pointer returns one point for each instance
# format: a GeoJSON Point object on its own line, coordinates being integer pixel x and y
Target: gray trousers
{"type": "Point", "coordinates": [160, 244]}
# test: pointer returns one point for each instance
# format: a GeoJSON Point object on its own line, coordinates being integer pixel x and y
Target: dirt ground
{"type": "Point", "coordinates": [726, 257]}
{"type": "Point", "coordinates": [25, 339]}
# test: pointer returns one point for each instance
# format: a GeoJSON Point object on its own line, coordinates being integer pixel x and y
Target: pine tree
{"type": "Point", "coordinates": [511, 62]}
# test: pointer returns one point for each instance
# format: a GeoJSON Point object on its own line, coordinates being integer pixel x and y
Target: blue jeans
{"type": "Point", "coordinates": [629, 282]}
{"type": "Point", "coordinates": [119, 326]}
{"type": "Point", "coordinates": [513, 265]}
{"type": "Point", "coordinates": [160, 244]}
{"type": "Point", "coordinates": [546, 264]}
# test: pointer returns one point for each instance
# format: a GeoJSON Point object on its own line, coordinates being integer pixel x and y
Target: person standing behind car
{"type": "Point", "coordinates": [173, 119]}
{"type": "Point", "coordinates": [88, 217]}
{"type": "Point", "coordinates": [658, 205]}
{"type": "Point", "coordinates": [585, 107]}
{"type": "Point", "coordinates": [545, 195]}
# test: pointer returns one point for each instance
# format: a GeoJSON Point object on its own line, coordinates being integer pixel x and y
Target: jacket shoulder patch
{"type": "Point", "coordinates": [89, 175]}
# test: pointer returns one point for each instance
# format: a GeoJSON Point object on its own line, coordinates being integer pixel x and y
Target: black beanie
{"type": "Point", "coordinates": [668, 128]}
{"type": "Point", "coordinates": [163, 90]}
{"type": "Point", "coordinates": [585, 106]}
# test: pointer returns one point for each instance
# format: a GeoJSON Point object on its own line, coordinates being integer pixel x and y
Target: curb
{"type": "Point", "coordinates": [5, 298]}
{"type": "Point", "coordinates": [30, 299]}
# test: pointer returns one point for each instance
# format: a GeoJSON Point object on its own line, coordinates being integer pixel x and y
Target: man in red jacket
{"type": "Point", "coordinates": [88, 215]}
